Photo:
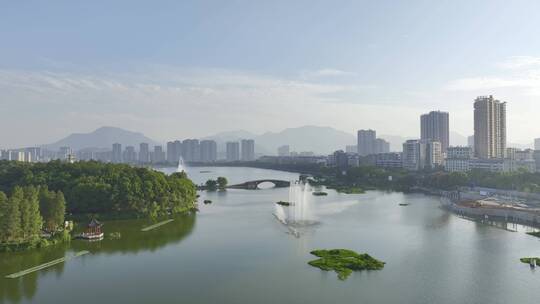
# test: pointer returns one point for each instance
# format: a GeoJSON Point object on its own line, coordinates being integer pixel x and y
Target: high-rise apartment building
{"type": "Point", "coordinates": [174, 151]}
{"type": "Point", "coordinates": [537, 144]}
{"type": "Point", "coordinates": [489, 127]}
{"type": "Point", "coordinates": [144, 153]}
{"type": "Point", "coordinates": [191, 150]}
{"type": "Point", "coordinates": [413, 155]}
{"type": "Point", "coordinates": [129, 155]}
{"type": "Point", "coordinates": [208, 151]}
{"type": "Point", "coordinates": [366, 142]}
{"type": "Point", "coordinates": [158, 156]}
{"type": "Point", "coordinates": [116, 153]}
{"type": "Point", "coordinates": [381, 146]}
{"type": "Point", "coordinates": [435, 126]}
{"type": "Point", "coordinates": [248, 150]}
{"type": "Point", "coordinates": [233, 151]}
{"type": "Point", "coordinates": [434, 153]}
{"type": "Point", "coordinates": [171, 152]}
{"type": "Point", "coordinates": [421, 154]}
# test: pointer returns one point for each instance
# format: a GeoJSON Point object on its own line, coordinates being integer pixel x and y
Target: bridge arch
{"type": "Point", "coordinates": [254, 185]}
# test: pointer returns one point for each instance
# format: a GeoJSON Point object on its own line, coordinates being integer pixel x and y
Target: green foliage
{"type": "Point", "coordinates": [222, 182]}
{"type": "Point", "coordinates": [528, 260]}
{"type": "Point", "coordinates": [3, 216]}
{"type": "Point", "coordinates": [211, 185]}
{"type": "Point", "coordinates": [12, 218]}
{"type": "Point", "coordinates": [536, 234]}
{"type": "Point", "coordinates": [115, 235]}
{"type": "Point", "coordinates": [53, 208]}
{"type": "Point", "coordinates": [344, 262]}
{"type": "Point", "coordinates": [94, 187]}
{"type": "Point", "coordinates": [31, 220]}
{"type": "Point", "coordinates": [366, 177]}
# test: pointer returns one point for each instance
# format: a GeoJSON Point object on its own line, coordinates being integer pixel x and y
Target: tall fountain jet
{"type": "Point", "coordinates": [181, 167]}
{"type": "Point", "coordinates": [298, 213]}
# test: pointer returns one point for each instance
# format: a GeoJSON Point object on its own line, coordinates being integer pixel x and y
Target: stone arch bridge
{"type": "Point", "coordinates": [254, 185]}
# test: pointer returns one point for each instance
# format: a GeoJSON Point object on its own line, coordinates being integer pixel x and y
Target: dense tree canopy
{"type": "Point", "coordinates": [403, 180]}
{"type": "Point", "coordinates": [94, 187]}
{"type": "Point", "coordinates": [20, 216]}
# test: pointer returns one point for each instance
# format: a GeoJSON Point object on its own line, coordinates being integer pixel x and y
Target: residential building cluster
{"type": "Point", "coordinates": [190, 150]}
{"type": "Point", "coordinates": [368, 143]}
{"type": "Point", "coordinates": [486, 150]}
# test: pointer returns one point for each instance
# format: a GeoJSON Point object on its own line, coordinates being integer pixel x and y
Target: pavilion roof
{"type": "Point", "coordinates": [94, 223]}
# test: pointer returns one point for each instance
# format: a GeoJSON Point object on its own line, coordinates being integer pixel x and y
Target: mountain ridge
{"type": "Point", "coordinates": [101, 138]}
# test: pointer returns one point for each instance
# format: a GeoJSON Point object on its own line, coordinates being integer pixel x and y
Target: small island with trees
{"type": "Point", "coordinates": [216, 184]}
{"type": "Point", "coordinates": [344, 262]}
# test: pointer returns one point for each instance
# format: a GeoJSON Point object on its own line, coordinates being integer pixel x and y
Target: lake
{"type": "Point", "coordinates": [235, 251]}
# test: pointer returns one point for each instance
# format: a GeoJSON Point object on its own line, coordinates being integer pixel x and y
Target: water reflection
{"type": "Point", "coordinates": [132, 241]}
{"type": "Point", "coordinates": [14, 290]}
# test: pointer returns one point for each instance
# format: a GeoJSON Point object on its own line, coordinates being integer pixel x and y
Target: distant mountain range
{"type": "Point", "coordinates": [102, 138]}
{"type": "Point", "coordinates": [320, 140]}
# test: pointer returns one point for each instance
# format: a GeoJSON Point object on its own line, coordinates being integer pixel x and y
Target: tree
{"type": "Point", "coordinates": [45, 201]}
{"type": "Point", "coordinates": [211, 185]}
{"type": "Point", "coordinates": [3, 216]}
{"type": "Point", "coordinates": [94, 187]}
{"type": "Point", "coordinates": [35, 221]}
{"type": "Point", "coordinates": [24, 211]}
{"type": "Point", "coordinates": [12, 217]}
{"type": "Point", "coordinates": [58, 209]}
{"type": "Point", "coordinates": [222, 182]}
{"type": "Point", "coordinates": [53, 207]}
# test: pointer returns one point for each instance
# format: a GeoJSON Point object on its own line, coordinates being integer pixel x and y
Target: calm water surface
{"type": "Point", "coordinates": [234, 251]}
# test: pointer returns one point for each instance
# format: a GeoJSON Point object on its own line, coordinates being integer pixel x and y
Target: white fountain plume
{"type": "Point", "coordinates": [181, 167]}
{"type": "Point", "coordinates": [300, 198]}
{"type": "Point", "coordinates": [298, 213]}
{"type": "Point", "coordinates": [280, 214]}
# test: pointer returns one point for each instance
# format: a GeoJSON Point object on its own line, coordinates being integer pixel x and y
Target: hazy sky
{"type": "Point", "coordinates": [177, 69]}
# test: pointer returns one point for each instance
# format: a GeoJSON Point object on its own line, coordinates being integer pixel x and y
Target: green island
{"type": "Point", "coordinates": [528, 260]}
{"type": "Point", "coordinates": [282, 203]}
{"type": "Point", "coordinates": [215, 184]}
{"type": "Point", "coordinates": [36, 199]}
{"type": "Point", "coordinates": [347, 189]}
{"type": "Point", "coordinates": [344, 262]}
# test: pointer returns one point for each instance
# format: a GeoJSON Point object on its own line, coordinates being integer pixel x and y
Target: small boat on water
{"type": "Point", "coordinates": [206, 202]}
{"type": "Point", "coordinates": [286, 204]}
{"type": "Point", "coordinates": [404, 204]}
{"type": "Point", "coordinates": [320, 193]}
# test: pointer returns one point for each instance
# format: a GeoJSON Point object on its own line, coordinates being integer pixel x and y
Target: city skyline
{"type": "Point", "coordinates": [188, 63]}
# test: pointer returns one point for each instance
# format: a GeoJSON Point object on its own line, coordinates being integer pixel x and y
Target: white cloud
{"type": "Point", "coordinates": [328, 73]}
{"type": "Point", "coordinates": [172, 103]}
{"type": "Point", "coordinates": [519, 62]}
{"type": "Point", "coordinates": [520, 74]}
{"type": "Point", "coordinates": [485, 83]}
